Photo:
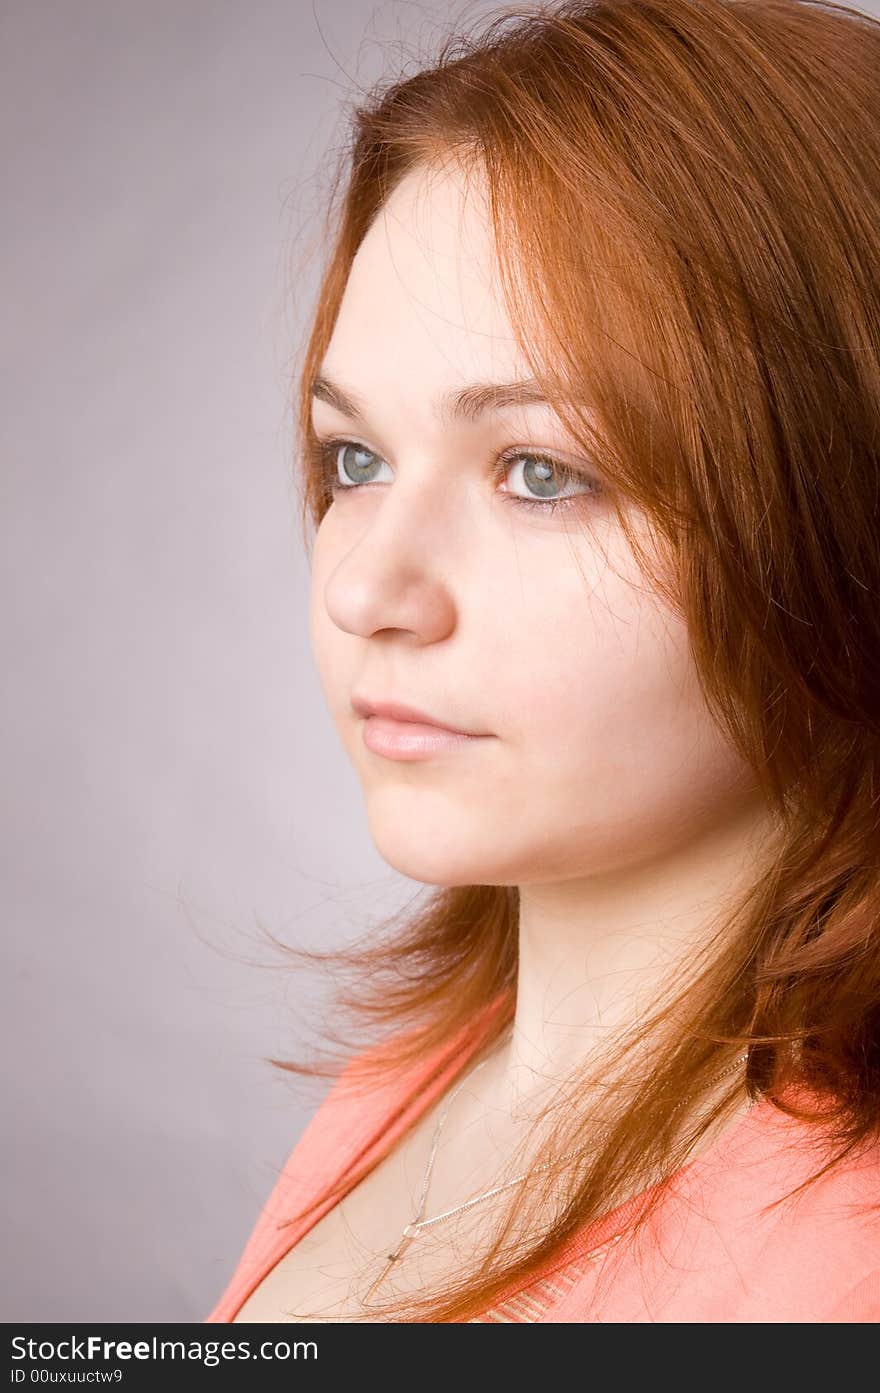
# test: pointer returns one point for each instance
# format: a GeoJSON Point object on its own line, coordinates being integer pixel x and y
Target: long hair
{"type": "Point", "coordinates": [685, 202]}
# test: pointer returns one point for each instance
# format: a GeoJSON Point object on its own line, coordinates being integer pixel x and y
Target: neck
{"type": "Point", "coordinates": [597, 954]}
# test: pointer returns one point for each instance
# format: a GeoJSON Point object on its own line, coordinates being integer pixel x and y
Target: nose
{"type": "Point", "coordinates": [393, 573]}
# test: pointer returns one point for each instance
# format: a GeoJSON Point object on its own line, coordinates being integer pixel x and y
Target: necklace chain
{"type": "Point", "coordinates": [417, 1224]}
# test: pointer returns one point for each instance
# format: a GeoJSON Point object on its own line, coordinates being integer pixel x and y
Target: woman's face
{"type": "Point", "coordinates": [435, 584]}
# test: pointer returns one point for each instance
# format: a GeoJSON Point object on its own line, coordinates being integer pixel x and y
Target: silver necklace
{"type": "Point", "coordinates": [417, 1224]}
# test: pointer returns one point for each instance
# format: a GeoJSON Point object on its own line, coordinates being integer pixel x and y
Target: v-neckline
{"type": "Point", "coordinates": [383, 1121]}
{"type": "Point", "coordinates": [382, 1124]}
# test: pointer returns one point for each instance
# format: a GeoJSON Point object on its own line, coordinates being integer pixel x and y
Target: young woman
{"type": "Point", "coordinates": [590, 417]}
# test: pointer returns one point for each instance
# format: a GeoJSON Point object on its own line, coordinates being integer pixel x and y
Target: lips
{"type": "Point", "coordinates": [401, 711]}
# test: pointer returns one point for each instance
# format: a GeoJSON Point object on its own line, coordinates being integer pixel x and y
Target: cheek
{"type": "Point", "coordinates": [612, 746]}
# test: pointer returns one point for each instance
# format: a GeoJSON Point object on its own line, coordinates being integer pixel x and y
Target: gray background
{"type": "Point", "coordinates": [173, 782]}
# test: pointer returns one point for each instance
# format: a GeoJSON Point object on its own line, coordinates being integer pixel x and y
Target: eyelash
{"type": "Point", "coordinates": [328, 452]}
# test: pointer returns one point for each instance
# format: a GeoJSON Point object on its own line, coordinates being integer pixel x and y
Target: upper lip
{"type": "Point", "coordinates": [400, 711]}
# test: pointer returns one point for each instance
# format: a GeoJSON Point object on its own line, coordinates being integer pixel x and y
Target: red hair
{"type": "Point", "coordinates": [686, 208]}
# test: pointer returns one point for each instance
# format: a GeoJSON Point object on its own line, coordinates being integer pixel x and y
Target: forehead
{"type": "Point", "coordinates": [423, 294]}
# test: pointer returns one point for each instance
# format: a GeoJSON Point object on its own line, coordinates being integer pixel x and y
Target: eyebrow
{"type": "Point", "coordinates": [462, 404]}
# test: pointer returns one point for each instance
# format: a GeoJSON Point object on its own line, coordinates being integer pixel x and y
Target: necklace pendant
{"type": "Point", "coordinates": [406, 1237]}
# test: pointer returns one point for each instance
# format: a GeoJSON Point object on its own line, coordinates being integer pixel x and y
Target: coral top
{"type": "Point", "coordinates": [711, 1252]}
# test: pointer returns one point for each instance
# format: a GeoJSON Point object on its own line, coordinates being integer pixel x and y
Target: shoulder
{"type": "Point", "coordinates": [749, 1232]}
{"type": "Point", "coordinates": [802, 1241]}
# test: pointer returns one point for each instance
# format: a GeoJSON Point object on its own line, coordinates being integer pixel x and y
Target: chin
{"type": "Point", "coordinates": [433, 865]}
{"type": "Point", "coordinates": [444, 852]}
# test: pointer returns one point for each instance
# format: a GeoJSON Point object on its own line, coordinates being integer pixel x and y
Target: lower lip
{"type": "Point", "coordinates": [410, 739]}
